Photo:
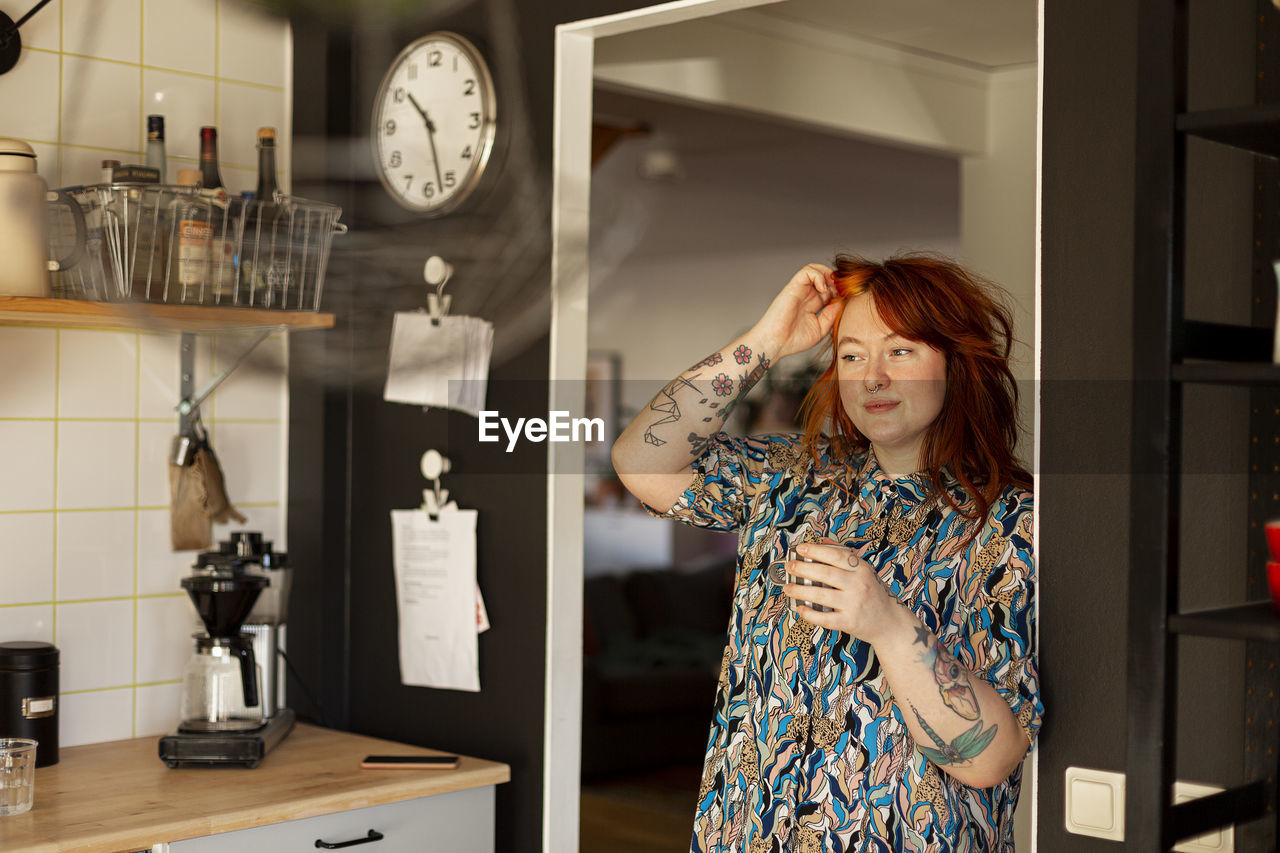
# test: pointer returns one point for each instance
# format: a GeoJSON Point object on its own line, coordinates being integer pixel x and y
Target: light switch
{"type": "Point", "coordinates": [1095, 803]}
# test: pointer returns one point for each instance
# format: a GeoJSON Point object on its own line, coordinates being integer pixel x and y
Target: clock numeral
{"type": "Point", "coordinates": [466, 153]}
{"type": "Point", "coordinates": [455, 63]}
{"type": "Point", "coordinates": [434, 57]}
{"type": "Point", "coordinates": [469, 88]}
{"type": "Point", "coordinates": [450, 180]}
{"type": "Point", "coordinates": [391, 127]}
{"type": "Point", "coordinates": [396, 160]}
{"type": "Point", "coordinates": [413, 71]}
{"type": "Point", "coordinates": [475, 121]}
{"type": "Point", "coordinates": [398, 95]}
{"type": "Point", "coordinates": [429, 189]}
{"type": "Point", "coordinates": [408, 182]}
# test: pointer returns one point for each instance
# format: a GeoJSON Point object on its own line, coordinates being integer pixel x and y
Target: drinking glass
{"type": "Point", "coordinates": [17, 775]}
{"type": "Point", "coordinates": [792, 555]}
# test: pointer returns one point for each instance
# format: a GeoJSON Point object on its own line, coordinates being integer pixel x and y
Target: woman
{"type": "Point", "coordinates": [890, 710]}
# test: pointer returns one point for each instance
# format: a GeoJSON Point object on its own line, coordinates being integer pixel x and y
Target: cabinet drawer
{"type": "Point", "coordinates": [459, 822]}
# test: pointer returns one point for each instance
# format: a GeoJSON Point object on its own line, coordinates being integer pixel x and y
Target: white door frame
{"type": "Point", "coordinates": [570, 222]}
{"type": "Point", "coordinates": [570, 203]}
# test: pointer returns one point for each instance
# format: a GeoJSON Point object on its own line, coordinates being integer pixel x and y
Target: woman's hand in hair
{"type": "Point", "coordinates": [802, 314]}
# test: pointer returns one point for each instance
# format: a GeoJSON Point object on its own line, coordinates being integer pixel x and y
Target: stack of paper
{"type": "Point", "coordinates": [437, 598]}
{"type": "Point", "coordinates": [445, 365]}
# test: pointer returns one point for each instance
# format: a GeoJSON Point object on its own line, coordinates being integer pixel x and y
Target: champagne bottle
{"type": "Point", "coordinates": [155, 146]}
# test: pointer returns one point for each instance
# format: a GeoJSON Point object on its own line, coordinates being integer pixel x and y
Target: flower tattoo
{"type": "Point", "coordinates": [714, 358]}
{"type": "Point", "coordinates": [742, 354]}
{"type": "Point", "coordinates": [722, 385]}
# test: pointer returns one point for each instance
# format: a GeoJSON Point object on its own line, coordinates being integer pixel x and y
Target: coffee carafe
{"type": "Point", "coordinates": [222, 682]}
{"type": "Point", "coordinates": [230, 715]}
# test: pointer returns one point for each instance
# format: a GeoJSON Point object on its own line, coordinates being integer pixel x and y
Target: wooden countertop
{"type": "Point", "coordinates": [119, 796]}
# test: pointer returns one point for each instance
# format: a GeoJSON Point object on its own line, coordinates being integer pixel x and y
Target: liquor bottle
{"type": "Point", "coordinates": [262, 237]}
{"type": "Point", "coordinates": [210, 176]}
{"type": "Point", "coordinates": [193, 215]}
{"type": "Point", "coordinates": [266, 191]}
{"type": "Point", "coordinates": [108, 170]}
{"type": "Point", "coordinates": [226, 218]}
{"type": "Point", "coordinates": [155, 146]}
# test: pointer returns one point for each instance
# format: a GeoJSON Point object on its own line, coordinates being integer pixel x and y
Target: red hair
{"type": "Point", "coordinates": [933, 300]}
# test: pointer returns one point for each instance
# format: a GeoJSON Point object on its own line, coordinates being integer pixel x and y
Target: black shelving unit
{"type": "Point", "coordinates": [1170, 352]}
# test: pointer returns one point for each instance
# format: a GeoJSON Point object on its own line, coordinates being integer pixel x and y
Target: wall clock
{"type": "Point", "coordinates": [433, 123]}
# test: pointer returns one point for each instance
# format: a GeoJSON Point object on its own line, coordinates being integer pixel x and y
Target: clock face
{"type": "Point", "coordinates": [433, 123]}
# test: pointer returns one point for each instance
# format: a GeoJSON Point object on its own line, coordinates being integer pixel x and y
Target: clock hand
{"type": "Point", "coordinates": [35, 9]}
{"type": "Point", "coordinates": [431, 137]}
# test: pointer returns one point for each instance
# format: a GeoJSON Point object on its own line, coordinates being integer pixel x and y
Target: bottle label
{"type": "Point", "coordinates": [194, 238]}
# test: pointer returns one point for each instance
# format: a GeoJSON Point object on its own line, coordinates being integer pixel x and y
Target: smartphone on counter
{"type": "Point", "coordinates": [410, 762]}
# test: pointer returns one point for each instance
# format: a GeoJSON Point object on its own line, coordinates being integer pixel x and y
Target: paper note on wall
{"type": "Point", "coordinates": [435, 565]}
{"type": "Point", "coordinates": [444, 364]}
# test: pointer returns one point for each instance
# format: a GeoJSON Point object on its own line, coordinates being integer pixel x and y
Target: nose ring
{"type": "Point", "coordinates": [871, 389]}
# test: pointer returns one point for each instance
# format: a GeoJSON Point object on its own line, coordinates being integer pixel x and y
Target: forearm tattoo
{"type": "Point", "coordinates": [712, 407]}
{"type": "Point", "coordinates": [964, 748]}
{"type": "Point", "coordinates": [952, 678]}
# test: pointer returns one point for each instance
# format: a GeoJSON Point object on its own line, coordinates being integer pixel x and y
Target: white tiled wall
{"type": "Point", "coordinates": [92, 70]}
{"type": "Point", "coordinates": [86, 415]}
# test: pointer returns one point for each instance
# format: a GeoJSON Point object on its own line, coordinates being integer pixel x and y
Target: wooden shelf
{"type": "Point", "coordinates": [30, 311]}
{"type": "Point", "coordinates": [1254, 621]}
{"type": "Point", "coordinates": [1227, 373]}
{"type": "Point", "coordinates": [1255, 129]}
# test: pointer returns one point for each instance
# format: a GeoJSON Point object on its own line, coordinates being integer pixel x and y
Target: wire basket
{"type": "Point", "coordinates": [183, 245]}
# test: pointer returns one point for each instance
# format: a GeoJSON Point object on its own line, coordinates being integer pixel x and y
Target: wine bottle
{"type": "Point", "coordinates": [210, 176]}
{"type": "Point", "coordinates": [155, 146]}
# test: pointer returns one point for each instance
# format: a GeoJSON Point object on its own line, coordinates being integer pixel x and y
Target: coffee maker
{"type": "Point", "coordinates": [231, 714]}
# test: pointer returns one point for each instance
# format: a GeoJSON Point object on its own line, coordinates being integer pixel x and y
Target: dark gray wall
{"type": "Point", "coordinates": [354, 458]}
{"type": "Point", "coordinates": [1087, 303]}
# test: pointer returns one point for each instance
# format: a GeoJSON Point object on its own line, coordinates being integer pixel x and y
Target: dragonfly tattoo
{"type": "Point", "coordinates": [965, 747]}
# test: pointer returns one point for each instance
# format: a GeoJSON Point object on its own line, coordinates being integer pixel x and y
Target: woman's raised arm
{"type": "Point", "coordinates": [652, 456]}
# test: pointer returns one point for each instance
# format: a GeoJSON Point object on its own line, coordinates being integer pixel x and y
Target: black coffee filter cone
{"type": "Point", "coordinates": [223, 602]}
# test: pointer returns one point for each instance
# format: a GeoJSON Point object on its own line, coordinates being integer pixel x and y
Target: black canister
{"type": "Point", "coordinates": [29, 696]}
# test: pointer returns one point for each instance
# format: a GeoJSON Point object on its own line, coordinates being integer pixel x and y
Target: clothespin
{"type": "Point", "coordinates": [437, 271]}
{"type": "Point", "coordinates": [434, 499]}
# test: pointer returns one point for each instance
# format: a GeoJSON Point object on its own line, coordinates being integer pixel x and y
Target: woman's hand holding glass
{"type": "Point", "coordinates": [861, 605]}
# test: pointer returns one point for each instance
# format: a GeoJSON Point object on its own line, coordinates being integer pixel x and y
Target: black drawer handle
{"type": "Point", "coordinates": [373, 835]}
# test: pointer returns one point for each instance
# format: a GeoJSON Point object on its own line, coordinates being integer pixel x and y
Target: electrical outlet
{"type": "Point", "coordinates": [1214, 841]}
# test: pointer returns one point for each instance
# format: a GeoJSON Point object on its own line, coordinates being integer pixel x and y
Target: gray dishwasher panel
{"type": "Point", "coordinates": [460, 822]}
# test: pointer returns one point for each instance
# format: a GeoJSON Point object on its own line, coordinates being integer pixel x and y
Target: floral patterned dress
{"type": "Point", "coordinates": [807, 751]}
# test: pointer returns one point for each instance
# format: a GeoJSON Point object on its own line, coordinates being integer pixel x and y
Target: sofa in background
{"type": "Point", "coordinates": [652, 646]}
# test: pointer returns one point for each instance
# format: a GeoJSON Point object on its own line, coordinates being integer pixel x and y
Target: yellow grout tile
{"type": "Point", "coordinates": [62, 148]}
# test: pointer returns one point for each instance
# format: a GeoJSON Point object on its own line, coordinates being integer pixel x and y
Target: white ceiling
{"type": "Point", "coordinates": [986, 34]}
